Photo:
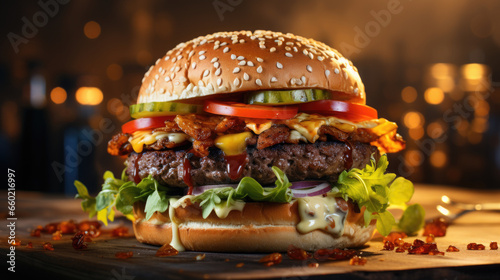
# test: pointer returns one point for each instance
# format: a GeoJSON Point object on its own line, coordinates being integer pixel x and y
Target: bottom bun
{"type": "Point", "coordinates": [258, 227]}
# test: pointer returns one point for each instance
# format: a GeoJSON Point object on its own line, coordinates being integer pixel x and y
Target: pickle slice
{"type": "Point", "coordinates": [283, 97]}
{"type": "Point", "coordinates": [155, 109]}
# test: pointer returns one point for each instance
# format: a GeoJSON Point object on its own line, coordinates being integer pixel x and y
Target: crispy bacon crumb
{"type": "Point", "coordinates": [437, 227]}
{"type": "Point", "coordinates": [48, 246]}
{"type": "Point", "coordinates": [493, 246]}
{"type": "Point", "coordinates": [475, 246]}
{"type": "Point", "coordinates": [124, 255]}
{"type": "Point", "coordinates": [296, 253]}
{"type": "Point", "coordinates": [166, 250]}
{"type": "Point", "coordinates": [271, 259]}
{"type": "Point", "coordinates": [357, 260]}
{"type": "Point", "coordinates": [78, 241]}
{"type": "Point", "coordinates": [452, 248]}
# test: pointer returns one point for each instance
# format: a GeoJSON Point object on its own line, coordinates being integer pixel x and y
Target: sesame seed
{"type": "Point", "coordinates": [174, 60]}
{"type": "Point", "coordinates": [223, 44]}
{"type": "Point", "coordinates": [273, 79]}
{"type": "Point", "coordinates": [320, 58]}
{"type": "Point", "coordinates": [157, 76]}
{"type": "Point", "coordinates": [226, 49]}
{"type": "Point", "coordinates": [216, 64]}
{"type": "Point", "coordinates": [246, 77]}
{"type": "Point", "coordinates": [167, 58]}
{"type": "Point", "coordinates": [242, 41]}
{"type": "Point", "coordinates": [219, 81]}
{"type": "Point", "coordinates": [242, 63]}
{"type": "Point", "coordinates": [206, 73]}
{"type": "Point", "coordinates": [288, 48]}
{"type": "Point", "coordinates": [236, 82]}
{"type": "Point", "coordinates": [262, 46]}
{"type": "Point", "coordinates": [327, 73]}
{"type": "Point", "coordinates": [289, 43]}
{"type": "Point", "coordinates": [241, 57]}
{"type": "Point", "coordinates": [311, 56]}
{"type": "Point", "coordinates": [214, 59]}
{"type": "Point", "coordinates": [336, 71]}
{"type": "Point", "coordinates": [210, 87]}
{"type": "Point", "coordinates": [273, 49]}
{"type": "Point", "coordinates": [258, 82]}
{"type": "Point", "coordinates": [177, 68]}
{"type": "Point", "coordinates": [179, 57]}
{"type": "Point", "coordinates": [236, 70]}
{"type": "Point", "coordinates": [202, 57]}
{"type": "Point", "coordinates": [305, 52]}
{"type": "Point", "coordinates": [288, 54]}
{"type": "Point", "coordinates": [233, 56]}
{"type": "Point", "coordinates": [259, 69]}
{"type": "Point", "coordinates": [292, 81]}
{"type": "Point", "coordinates": [356, 90]}
{"type": "Point", "coordinates": [167, 79]}
{"type": "Point", "coordinates": [194, 65]}
{"type": "Point", "coordinates": [183, 79]}
{"type": "Point", "coordinates": [303, 79]}
{"type": "Point", "coordinates": [218, 71]}
{"type": "Point", "coordinates": [249, 63]}
{"type": "Point", "coordinates": [260, 59]}
{"type": "Point", "coordinates": [279, 65]}
{"type": "Point", "coordinates": [177, 83]}
{"type": "Point", "coordinates": [309, 68]}
{"type": "Point", "coordinates": [201, 52]}
{"type": "Point", "coordinates": [295, 49]}
{"type": "Point", "coordinates": [157, 61]}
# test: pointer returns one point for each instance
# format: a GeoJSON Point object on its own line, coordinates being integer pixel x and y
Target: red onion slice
{"type": "Point", "coordinates": [305, 184]}
{"type": "Point", "coordinates": [317, 190]}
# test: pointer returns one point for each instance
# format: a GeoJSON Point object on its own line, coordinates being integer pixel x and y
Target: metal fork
{"type": "Point", "coordinates": [464, 208]}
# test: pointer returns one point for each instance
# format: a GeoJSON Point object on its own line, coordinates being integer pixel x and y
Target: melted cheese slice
{"type": "Point", "coordinates": [148, 137]}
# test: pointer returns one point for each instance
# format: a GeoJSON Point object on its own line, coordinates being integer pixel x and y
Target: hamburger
{"type": "Point", "coordinates": [251, 142]}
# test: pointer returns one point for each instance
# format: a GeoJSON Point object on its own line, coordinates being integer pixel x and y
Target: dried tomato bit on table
{"type": "Point", "coordinates": [334, 254]}
{"type": "Point", "coordinates": [452, 248]}
{"type": "Point", "coordinates": [29, 245]}
{"type": "Point", "coordinates": [124, 255]}
{"type": "Point", "coordinates": [493, 246]}
{"type": "Point", "coordinates": [57, 235]}
{"type": "Point", "coordinates": [166, 251]}
{"type": "Point", "coordinates": [388, 245]}
{"type": "Point", "coordinates": [271, 259]}
{"type": "Point", "coordinates": [475, 246]}
{"type": "Point", "coordinates": [437, 227]}
{"type": "Point", "coordinates": [120, 231]}
{"type": "Point", "coordinates": [357, 260]}
{"type": "Point", "coordinates": [37, 231]}
{"type": "Point", "coordinates": [419, 247]}
{"type": "Point", "coordinates": [48, 246]}
{"type": "Point", "coordinates": [393, 236]}
{"type": "Point", "coordinates": [296, 253]}
{"type": "Point", "coordinates": [78, 241]}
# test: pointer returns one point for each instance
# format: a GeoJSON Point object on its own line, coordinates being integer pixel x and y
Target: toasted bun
{"type": "Point", "coordinates": [229, 62]}
{"type": "Point", "coordinates": [259, 227]}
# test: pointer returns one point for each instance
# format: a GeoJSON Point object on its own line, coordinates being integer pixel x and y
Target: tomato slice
{"type": "Point", "coordinates": [145, 123]}
{"type": "Point", "coordinates": [250, 111]}
{"type": "Point", "coordinates": [342, 109]}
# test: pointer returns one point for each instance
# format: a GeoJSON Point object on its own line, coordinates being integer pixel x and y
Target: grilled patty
{"type": "Point", "coordinates": [303, 161]}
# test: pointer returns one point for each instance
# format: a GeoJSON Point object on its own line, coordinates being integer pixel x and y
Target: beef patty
{"type": "Point", "coordinates": [303, 161]}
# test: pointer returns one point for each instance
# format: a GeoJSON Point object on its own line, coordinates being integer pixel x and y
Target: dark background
{"type": "Point", "coordinates": [431, 66]}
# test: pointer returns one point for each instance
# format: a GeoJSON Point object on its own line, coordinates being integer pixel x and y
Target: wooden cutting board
{"type": "Point", "coordinates": [98, 261]}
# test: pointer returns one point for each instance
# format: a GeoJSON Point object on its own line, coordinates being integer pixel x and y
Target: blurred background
{"type": "Point", "coordinates": [70, 69]}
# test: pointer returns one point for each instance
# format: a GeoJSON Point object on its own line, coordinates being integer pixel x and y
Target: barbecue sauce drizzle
{"type": "Point", "coordinates": [235, 165]}
{"type": "Point", "coordinates": [186, 176]}
{"type": "Point", "coordinates": [348, 160]}
{"type": "Point", "coordinates": [137, 177]}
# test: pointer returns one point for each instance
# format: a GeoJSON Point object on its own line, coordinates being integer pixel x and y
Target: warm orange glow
{"type": "Point", "coordinates": [442, 70]}
{"type": "Point", "coordinates": [474, 71]}
{"type": "Point", "coordinates": [409, 94]}
{"type": "Point", "coordinates": [413, 119]}
{"type": "Point", "coordinates": [474, 137]}
{"type": "Point", "coordinates": [114, 72]}
{"type": "Point", "coordinates": [413, 157]}
{"type": "Point", "coordinates": [435, 129]}
{"type": "Point", "coordinates": [438, 159]}
{"type": "Point", "coordinates": [479, 125]}
{"type": "Point", "coordinates": [89, 96]}
{"type": "Point", "coordinates": [416, 133]}
{"type": "Point", "coordinates": [481, 108]}
{"type": "Point", "coordinates": [434, 95]}
{"type": "Point", "coordinates": [115, 106]}
{"type": "Point", "coordinates": [58, 95]}
{"type": "Point", "coordinates": [92, 29]}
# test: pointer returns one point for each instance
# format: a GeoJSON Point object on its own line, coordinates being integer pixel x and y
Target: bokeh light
{"type": "Point", "coordinates": [58, 95]}
{"type": "Point", "coordinates": [409, 94]}
{"type": "Point", "coordinates": [413, 119]}
{"type": "Point", "coordinates": [434, 95]}
{"type": "Point", "coordinates": [438, 159]}
{"type": "Point", "coordinates": [89, 96]}
{"type": "Point", "coordinates": [92, 29]}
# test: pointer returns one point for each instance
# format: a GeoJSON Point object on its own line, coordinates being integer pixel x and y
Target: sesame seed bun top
{"type": "Point", "coordinates": [228, 62]}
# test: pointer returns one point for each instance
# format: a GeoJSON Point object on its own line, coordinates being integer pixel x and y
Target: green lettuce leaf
{"type": "Point", "coordinates": [378, 191]}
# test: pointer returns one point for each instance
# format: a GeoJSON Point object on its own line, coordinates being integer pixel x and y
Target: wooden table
{"type": "Point", "coordinates": [99, 261]}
